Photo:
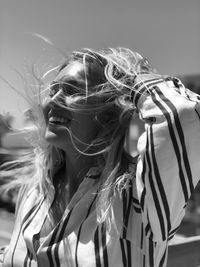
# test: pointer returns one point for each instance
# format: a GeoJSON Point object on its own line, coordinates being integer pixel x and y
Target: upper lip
{"type": "Point", "coordinates": [60, 113]}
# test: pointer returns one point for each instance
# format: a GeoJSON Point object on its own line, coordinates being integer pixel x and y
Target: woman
{"type": "Point", "coordinates": [89, 202]}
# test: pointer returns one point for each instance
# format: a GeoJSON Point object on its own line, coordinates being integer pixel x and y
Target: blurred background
{"type": "Point", "coordinates": [39, 33]}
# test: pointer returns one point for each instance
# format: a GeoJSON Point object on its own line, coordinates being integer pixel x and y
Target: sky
{"type": "Point", "coordinates": [167, 32]}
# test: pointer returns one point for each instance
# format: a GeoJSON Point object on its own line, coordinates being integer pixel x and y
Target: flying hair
{"type": "Point", "coordinates": [111, 76]}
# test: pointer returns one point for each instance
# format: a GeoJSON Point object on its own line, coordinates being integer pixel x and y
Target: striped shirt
{"type": "Point", "coordinates": [146, 213]}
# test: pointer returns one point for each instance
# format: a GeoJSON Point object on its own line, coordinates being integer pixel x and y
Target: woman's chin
{"type": "Point", "coordinates": [57, 136]}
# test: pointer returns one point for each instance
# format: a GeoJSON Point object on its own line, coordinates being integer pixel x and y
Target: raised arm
{"type": "Point", "coordinates": [168, 168]}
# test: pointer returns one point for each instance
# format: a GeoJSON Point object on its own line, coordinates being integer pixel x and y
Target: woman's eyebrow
{"type": "Point", "coordinates": [56, 84]}
{"type": "Point", "coordinates": [71, 82]}
{"type": "Point", "coordinates": [66, 83]}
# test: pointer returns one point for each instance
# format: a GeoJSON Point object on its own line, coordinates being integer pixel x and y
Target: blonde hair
{"type": "Point", "coordinates": [117, 69]}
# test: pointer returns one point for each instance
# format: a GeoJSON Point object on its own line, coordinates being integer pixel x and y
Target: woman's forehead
{"type": "Point", "coordinates": [77, 72]}
{"type": "Point", "coordinates": [74, 71]}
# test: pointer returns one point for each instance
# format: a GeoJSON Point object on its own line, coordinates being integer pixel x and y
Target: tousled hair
{"type": "Point", "coordinates": [110, 76]}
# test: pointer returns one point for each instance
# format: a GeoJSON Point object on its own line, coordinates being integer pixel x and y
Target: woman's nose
{"type": "Point", "coordinates": [58, 98]}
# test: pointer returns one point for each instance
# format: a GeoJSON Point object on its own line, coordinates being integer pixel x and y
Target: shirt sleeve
{"type": "Point", "coordinates": [168, 168]}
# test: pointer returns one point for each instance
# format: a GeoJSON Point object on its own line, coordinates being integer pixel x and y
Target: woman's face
{"type": "Point", "coordinates": [81, 125]}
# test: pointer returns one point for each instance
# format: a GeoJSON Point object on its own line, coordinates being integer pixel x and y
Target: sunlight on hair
{"type": "Point", "coordinates": [119, 71]}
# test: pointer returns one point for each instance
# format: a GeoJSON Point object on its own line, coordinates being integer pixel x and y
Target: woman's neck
{"type": "Point", "coordinates": [76, 169]}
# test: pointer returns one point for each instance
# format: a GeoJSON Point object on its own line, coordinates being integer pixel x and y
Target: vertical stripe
{"type": "Point", "coordinates": [124, 203]}
{"type": "Point", "coordinates": [26, 217]}
{"type": "Point", "coordinates": [154, 194]}
{"type": "Point", "coordinates": [142, 235]}
{"type": "Point", "coordinates": [126, 208]}
{"type": "Point", "coordinates": [147, 229]}
{"type": "Point", "coordinates": [123, 252]}
{"type": "Point", "coordinates": [126, 259]}
{"type": "Point", "coordinates": [175, 145]}
{"type": "Point", "coordinates": [128, 244]}
{"type": "Point", "coordinates": [96, 248]}
{"type": "Point", "coordinates": [56, 255]}
{"type": "Point", "coordinates": [49, 255]}
{"type": "Point", "coordinates": [144, 260]}
{"type": "Point", "coordinates": [80, 228]}
{"type": "Point", "coordinates": [104, 245]}
{"type": "Point", "coordinates": [181, 138]}
{"type": "Point", "coordinates": [31, 219]}
{"type": "Point", "coordinates": [28, 259]}
{"type": "Point", "coordinates": [64, 225]}
{"type": "Point", "coordinates": [126, 253]}
{"type": "Point", "coordinates": [142, 199]}
{"type": "Point", "coordinates": [53, 240]}
{"type": "Point", "coordinates": [129, 207]}
{"type": "Point", "coordinates": [159, 183]}
{"type": "Point", "coordinates": [151, 253]}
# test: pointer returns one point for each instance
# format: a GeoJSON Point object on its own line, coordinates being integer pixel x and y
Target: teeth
{"type": "Point", "coordinates": [58, 119]}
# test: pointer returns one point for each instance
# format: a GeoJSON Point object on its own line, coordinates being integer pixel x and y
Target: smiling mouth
{"type": "Point", "coordinates": [59, 120]}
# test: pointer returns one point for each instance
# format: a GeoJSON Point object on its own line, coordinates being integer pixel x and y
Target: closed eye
{"type": "Point", "coordinates": [68, 88]}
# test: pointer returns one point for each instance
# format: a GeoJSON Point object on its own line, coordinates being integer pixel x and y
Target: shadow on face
{"type": "Point", "coordinates": [71, 117]}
